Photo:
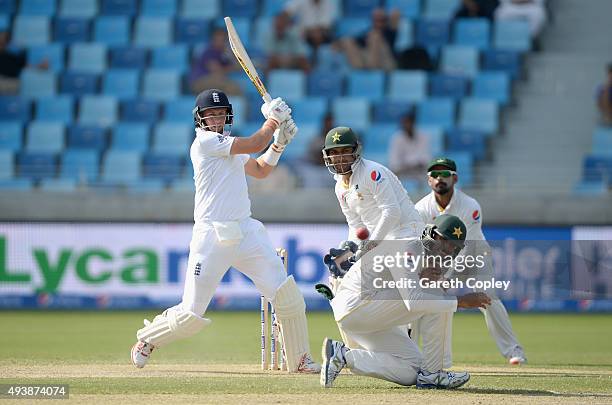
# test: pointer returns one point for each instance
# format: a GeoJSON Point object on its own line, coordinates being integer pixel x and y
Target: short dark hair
{"type": "Point", "coordinates": [410, 114]}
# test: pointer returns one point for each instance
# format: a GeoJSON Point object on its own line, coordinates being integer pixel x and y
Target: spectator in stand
{"type": "Point", "coordinates": [409, 150]}
{"type": "Point", "coordinates": [312, 170]}
{"type": "Point", "coordinates": [284, 46]}
{"type": "Point", "coordinates": [210, 70]}
{"type": "Point", "coordinates": [374, 49]}
{"type": "Point", "coordinates": [11, 65]}
{"type": "Point", "coordinates": [604, 99]}
{"type": "Point", "coordinates": [477, 9]}
{"type": "Point", "coordinates": [314, 20]}
{"type": "Point", "coordinates": [531, 10]}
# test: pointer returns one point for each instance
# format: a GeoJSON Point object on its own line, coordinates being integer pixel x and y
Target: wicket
{"type": "Point", "coordinates": [277, 350]}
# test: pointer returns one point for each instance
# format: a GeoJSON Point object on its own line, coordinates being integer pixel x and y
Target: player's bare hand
{"type": "Point", "coordinates": [474, 300]}
{"type": "Point", "coordinates": [276, 110]}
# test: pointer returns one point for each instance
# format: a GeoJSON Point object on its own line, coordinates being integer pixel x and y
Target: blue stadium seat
{"type": "Point", "coordinates": [465, 164]}
{"type": "Point", "coordinates": [586, 188]}
{"type": "Point", "coordinates": [352, 112]}
{"type": "Point", "coordinates": [391, 111]}
{"type": "Point", "coordinates": [243, 27]}
{"type": "Point", "coordinates": [5, 22]}
{"type": "Point", "coordinates": [376, 143]}
{"type": "Point", "coordinates": [36, 166]}
{"type": "Point", "coordinates": [502, 60]}
{"type": "Point", "coordinates": [308, 110]}
{"type": "Point", "coordinates": [45, 137]}
{"type": "Point", "coordinates": [180, 110]}
{"type": "Point", "coordinates": [80, 164]}
{"type": "Point", "coordinates": [183, 185]}
{"type": "Point", "coordinates": [301, 144]}
{"type": "Point", "coordinates": [10, 136]}
{"type": "Point", "coordinates": [443, 85]}
{"type": "Point", "coordinates": [512, 35]}
{"type": "Point", "coordinates": [87, 137]}
{"type": "Point", "coordinates": [174, 57]}
{"type": "Point", "coordinates": [172, 139]}
{"type": "Point", "coordinates": [473, 142]}
{"type": "Point", "coordinates": [492, 86]}
{"type": "Point", "coordinates": [158, 8]}
{"type": "Point", "coordinates": [70, 30]}
{"type": "Point", "coordinates": [78, 8]}
{"type": "Point", "coordinates": [459, 60]}
{"type": "Point", "coordinates": [87, 58]}
{"type": "Point", "coordinates": [7, 164]}
{"type": "Point", "coordinates": [17, 184]}
{"type": "Point", "coordinates": [351, 26]}
{"type": "Point", "coordinates": [129, 58]}
{"type": "Point", "coordinates": [289, 83]}
{"type": "Point", "coordinates": [140, 110]}
{"type": "Point", "coordinates": [597, 167]}
{"type": "Point", "coordinates": [30, 30]}
{"type": "Point", "coordinates": [366, 83]}
{"type": "Point", "coordinates": [360, 8]}
{"type": "Point", "coordinates": [161, 85]}
{"type": "Point", "coordinates": [325, 83]}
{"type": "Point", "coordinates": [239, 109]}
{"type": "Point", "coordinates": [131, 136]}
{"type": "Point", "coordinates": [119, 7]}
{"type": "Point", "coordinates": [14, 108]}
{"type": "Point", "coordinates": [121, 83]}
{"type": "Point", "coordinates": [78, 84]}
{"type": "Point", "coordinates": [240, 8]}
{"type": "Point", "coordinates": [602, 141]}
{"type": "Point", "coordinates": [121, 167]}
{"type": "Point", "coordinates": [52, 53]}
{"type": "Point", "coordinates": [98, 110]}
{"type": "Point", "coordinates": [112, 30]}
{"type": "Point", "coordinates": [271, 8]}
{"type": "Point", "coordinates": [475, 32]}
{"type": "Point", "coordinates": [435, 136]}
{"type": "Point", "coordinates": [442, 9]}
{"type": "Point", "coordinates": [438, 112]}
{"type": "Point", "coordinates": [432, 34]}
{"type": "Point", "coordinates": [59, 109]}
{"type": "Point", "coordinates": [201, 9]}
{"type": "Point", "coordinates": [479, 115]}
{"type": "Point", "coordinates": [37, 83]}
{"type": "Point", "coordinates": [162, 166]}
{"type": "Point", "coordinates": [58, 185]}
{"type": "Point", "coordinates": [407, 85]}
{"type": "Point", "coordinates": [8, 6]}
{"type": "Point", "coordinates": [261, 31]}
{"type": "Point", "coordinates": [409, 8]}
{"type": "Point", "coordinates": [152, 31]}
{"type": "Point", "coordinates": [405, 35]}
{"type": "Point", "coordinates": [192, 31]}
{"type": "Point", "coordinates": [37, 7]}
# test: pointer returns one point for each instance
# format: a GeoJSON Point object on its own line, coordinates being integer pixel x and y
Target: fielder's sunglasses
{"type": "Point", "coordinates": [441, 173]}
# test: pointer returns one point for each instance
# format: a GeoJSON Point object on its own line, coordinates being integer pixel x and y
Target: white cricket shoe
{"type": "Point", "coordinates": [442, 379]}
{"type": "Point", "coordinates": [308, 365]}
{"type": "Point", "coordinates": [141, 352]}
{"type": "Point", "coordinates": [517, 357]}
{"type": "Point", "coordinates": [333, 361]}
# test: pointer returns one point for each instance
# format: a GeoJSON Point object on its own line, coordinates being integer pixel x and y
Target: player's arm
{"type": "Point", "coordinates": [259, 168]}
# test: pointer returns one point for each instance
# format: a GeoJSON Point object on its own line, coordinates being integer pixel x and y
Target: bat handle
{"type": "Point", "coordinates": [266, 97]}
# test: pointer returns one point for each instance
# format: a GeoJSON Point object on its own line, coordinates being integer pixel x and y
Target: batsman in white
{"type": "Point", "coordinates": [224, 234]}
{"type": "Point", "coordinates": [445, 198]}
{"type": "Point", "coordinates": [376, 321]}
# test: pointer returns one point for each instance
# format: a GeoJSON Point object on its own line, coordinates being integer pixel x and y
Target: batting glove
{"type": "Point", "coordinates": [276, 110]}
{"type": "Point", "coordinates": [285, 133]}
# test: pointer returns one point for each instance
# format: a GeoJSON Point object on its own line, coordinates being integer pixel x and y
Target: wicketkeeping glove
{"type": "Point", "coordinates": [338, 270]}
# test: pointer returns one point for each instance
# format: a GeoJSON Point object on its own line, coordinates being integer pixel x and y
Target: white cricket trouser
{"type": "Point", "coordinates": [209, 259]}
{"type": "Point", "coordinates": [386, 351]}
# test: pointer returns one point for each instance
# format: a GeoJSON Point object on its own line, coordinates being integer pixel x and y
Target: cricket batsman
{"type": "Point", "coordinates": [445, 198]}
{"type": "Point", "coordinates": [224, 234]}
{"type": "Point", "coordinates": [377, 321]}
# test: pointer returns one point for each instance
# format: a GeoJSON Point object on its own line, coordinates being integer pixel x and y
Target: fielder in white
{"type": "Point", "coordinates": [224, 234]}
{"type": "Point", "coordinates": [446, 199]}
{"type": "Point", "coordinates": [377, 321]}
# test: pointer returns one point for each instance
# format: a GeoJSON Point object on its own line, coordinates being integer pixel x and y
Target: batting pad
{"type": "Point", "coordinates": [173, 326]}
{"type": "Point", "coordinates": [291, 314]}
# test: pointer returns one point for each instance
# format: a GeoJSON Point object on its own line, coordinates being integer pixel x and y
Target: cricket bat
{"type": "Point", "coordinates": [244, 60]}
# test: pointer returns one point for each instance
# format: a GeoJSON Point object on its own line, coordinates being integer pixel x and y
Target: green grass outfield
{"type": "Point", "coordinates": [570, 361]}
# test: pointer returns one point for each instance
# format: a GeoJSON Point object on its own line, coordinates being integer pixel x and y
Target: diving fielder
{"type": "Point", "coordinates": [224, 234]}
{"type": "Point", "coordinates": [446, 199]}
{"type": "Point", "coordinates": [376, 321]}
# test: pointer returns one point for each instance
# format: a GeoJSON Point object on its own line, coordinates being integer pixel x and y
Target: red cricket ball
{"type": "Point", "coordinates": [362, 233]}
